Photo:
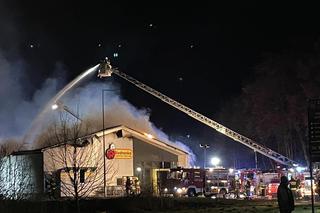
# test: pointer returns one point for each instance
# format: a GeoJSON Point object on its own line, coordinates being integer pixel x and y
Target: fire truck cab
{"type": "Point", "coordinates": [193, 182]}
{"type": "Point", "coordinates": [184, 181]}
{"type": "Point", "coordinates": [217, 182]}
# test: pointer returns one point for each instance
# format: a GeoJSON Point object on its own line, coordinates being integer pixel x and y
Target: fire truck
{"type": "Point", "coordinates": [217, 182]}
{"type": "Point", "coordinates": [193, 182]}
{"type": "Point", "coordinates": [183, 181]}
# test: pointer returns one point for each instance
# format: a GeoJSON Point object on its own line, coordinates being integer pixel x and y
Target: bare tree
{"type": "Point", "coordinates": [75, 164]}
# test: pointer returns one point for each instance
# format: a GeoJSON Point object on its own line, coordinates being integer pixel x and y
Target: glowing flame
{"type": "Point", "coordinates": [149, 135]}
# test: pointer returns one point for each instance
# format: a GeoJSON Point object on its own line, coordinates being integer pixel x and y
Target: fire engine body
{"type": "Point", "coordinates": [261, 183]}
{"type": "Point", "coordinates": [192, 182]}
{"type": "Point", "coordinates": [217, 182]}
{"type": "Point", "coordinates": [183, 181]}
{"type": "Point", "coordinates": [265, 184]}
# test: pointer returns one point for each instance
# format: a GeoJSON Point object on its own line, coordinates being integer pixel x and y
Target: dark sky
{"type": "Point", "coordinates": [200, 54]}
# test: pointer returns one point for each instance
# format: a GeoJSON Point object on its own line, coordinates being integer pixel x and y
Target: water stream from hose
{"type": "Point", "coordinates": [36, 124]}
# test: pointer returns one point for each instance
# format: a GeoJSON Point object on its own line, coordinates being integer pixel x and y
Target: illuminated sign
{"type": "Point", "coordinates": [123, 154]}
{"type": "Point", "coordinates": [113, 153]}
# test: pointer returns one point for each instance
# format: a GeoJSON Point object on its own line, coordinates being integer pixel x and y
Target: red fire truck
{"type": "Point", "coordinates": [192, 182]}
{"type": "Point", "coordinates": [217, 182]}
{"type": "Point", "coordinates": [183, 181]}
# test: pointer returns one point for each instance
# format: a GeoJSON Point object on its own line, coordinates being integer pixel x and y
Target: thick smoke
{"type": "Point", "coordinates": [87, 101]}
{"type": "Point", "coordinates": [16, 109]}
{"type": "Point", "coordinates": [18, 104]}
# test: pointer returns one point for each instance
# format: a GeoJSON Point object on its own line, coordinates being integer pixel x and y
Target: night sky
{"type": "Point", "coordinates": [200, 54]}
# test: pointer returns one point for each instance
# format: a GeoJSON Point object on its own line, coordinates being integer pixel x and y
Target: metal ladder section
{"type": "Point", "coordinates": [209, 122]}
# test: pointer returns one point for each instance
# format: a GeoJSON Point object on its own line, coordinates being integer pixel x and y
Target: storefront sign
{"type": "Point", "coordinates": [113, 153]}
{"type": "Point", "coordinates": [123, 154]}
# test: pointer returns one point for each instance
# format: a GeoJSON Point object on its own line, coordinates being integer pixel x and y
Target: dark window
{"type": "Point", "coordinates": [197, 174]}
{"type": "Point", "coordinates": [82, 175]}
{"type": "Point", "coordinates": [119, 134]}
{"type": "Point", "coordinates": [119, 182]}
{"type": "Point", "coordinates": [164, 164]}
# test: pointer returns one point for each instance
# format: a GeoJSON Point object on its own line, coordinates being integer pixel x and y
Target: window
{"type": "Point", "coordinates": [119, 134]}
{"type": "Point", "coordinates": [119, 182]}
{"type": "Point", "coordinates": [197, 174]}
{"type": "Point", "coordinates": [82, 175]}
{"type": "Point", "coordinates": [175, 175]}
{"type": "Point", "coordinates": [185, 175]}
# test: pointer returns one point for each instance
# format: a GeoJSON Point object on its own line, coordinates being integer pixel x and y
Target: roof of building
{"type": "Point", "coordinates": [137, 134]}
{"type": "Point", "coordinates": [26, 152]}
{"type": "Point", "coordinates": [144, 136]}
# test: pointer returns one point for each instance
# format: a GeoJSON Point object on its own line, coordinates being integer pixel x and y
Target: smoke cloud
{"type": "Point", "coordinates": [88, 101]}
{"type": "Point", "coordinates": [17, 111]}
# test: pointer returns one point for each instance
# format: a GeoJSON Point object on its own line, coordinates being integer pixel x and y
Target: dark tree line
{"type": "Point", "coordinates": [272, 109]}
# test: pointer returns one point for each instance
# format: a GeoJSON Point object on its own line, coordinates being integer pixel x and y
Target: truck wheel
{"type": "Point", "coordinates": [223, 192]}
{"type": "Point", "coordinates": [191, 192]}
{"type": "Point", "coordinates": [208, 195]}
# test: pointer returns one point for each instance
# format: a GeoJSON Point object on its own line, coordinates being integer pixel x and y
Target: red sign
{"type": "Point", "coordinates": [110, 153]}
{"type": "Point", "coordinates": [113, 153]}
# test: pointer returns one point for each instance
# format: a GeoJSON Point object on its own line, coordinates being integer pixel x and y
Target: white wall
{"type": "Point", "coordinates": [20, 176]}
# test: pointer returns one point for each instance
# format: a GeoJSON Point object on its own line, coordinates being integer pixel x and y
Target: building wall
{"type": "Point", "coordinates": [63, 164]}
{"type": "Point", "coordinates": [149, 157]}
{"type": "Point", "coordinates": [142, 154]}
{"type": "Point", "coordinates": [120, 166]}
{"type": "Point", "coordinates": [21, 176]}
{"type": "Point", "coordinates": [91, 156]}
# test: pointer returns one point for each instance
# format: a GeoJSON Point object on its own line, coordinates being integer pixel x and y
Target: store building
{"type": "Point", "coordinates": [96, 165]}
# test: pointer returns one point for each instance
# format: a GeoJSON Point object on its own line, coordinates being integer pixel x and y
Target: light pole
{"type": "Point", "coordinates": [204, 147]}
{"type": "Point", "coordinates": [256, 159]}
{"type": "Point", "coordinates": [104, 142]}
{"type": "Point", "coordinates": [60, 105]}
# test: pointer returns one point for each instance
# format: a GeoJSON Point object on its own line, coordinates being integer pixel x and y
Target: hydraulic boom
{"type": "Point", "coordinates": [106, 70]}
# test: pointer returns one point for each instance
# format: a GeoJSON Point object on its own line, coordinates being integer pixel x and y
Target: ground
{"type": "Point", "coordinates": [246, 206]}
{"type": "Point", "coordinates": [152, 205]}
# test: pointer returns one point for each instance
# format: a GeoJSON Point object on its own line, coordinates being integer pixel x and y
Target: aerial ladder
{"type": "Point", "coordinates": [105, 70]}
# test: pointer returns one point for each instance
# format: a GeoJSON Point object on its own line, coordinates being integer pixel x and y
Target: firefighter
{"type": "Point", "coordinates": [137, 186]}
{"type": "Point", "coordinates": [318, 187]}
{"type": "Point", "coordinates": [248, 187]}
{"type": "Point", "coordinates": [128, 186]}
{"type": "Point", "coordinates": [293, 187]}
{"type": "Point", "coordinates": [299, 194]}
{"type": "Point", "coordinates": [285, 197]}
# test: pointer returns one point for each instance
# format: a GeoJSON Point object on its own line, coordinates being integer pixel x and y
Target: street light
{"type": "Point", "coordinates": [204, 147]}
{"type": "Point", "coordinates": [54, 106]}
{"type": "Point", "coordinates": [60, 105]}
{"type": "Point", "coordinates": [104, 141]}
{"type": "Point", "coordinates": [139, 169]}
{"type": "Point", "coordinates": [215, 161]}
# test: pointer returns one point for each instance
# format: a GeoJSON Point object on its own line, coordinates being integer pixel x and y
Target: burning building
{"type": "Point", "coordinates": [96, 165]}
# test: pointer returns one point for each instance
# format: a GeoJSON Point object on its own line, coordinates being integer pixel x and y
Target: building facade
{"type": "Point", "coordinates": [99, 164]}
